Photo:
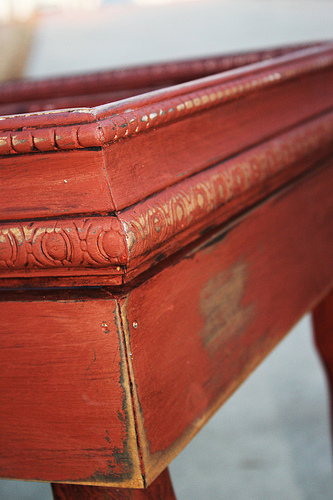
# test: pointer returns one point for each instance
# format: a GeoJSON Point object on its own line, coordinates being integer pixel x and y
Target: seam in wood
{"type": "Point", "coordinates": [131, 382]}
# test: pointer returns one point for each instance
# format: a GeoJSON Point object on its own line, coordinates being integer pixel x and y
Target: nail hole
{"type": "Point", "coordinates": [105, 327]}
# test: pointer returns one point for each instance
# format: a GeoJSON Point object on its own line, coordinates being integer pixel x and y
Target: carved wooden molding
{"type": "Point", "coordinates": [160, 218]}
{"type": "Point", "coordinates": [85, 128]}
{"type": "Point", "coordinates": [124, 241]}
{"type": "Point", "coordinates": [75, 243]}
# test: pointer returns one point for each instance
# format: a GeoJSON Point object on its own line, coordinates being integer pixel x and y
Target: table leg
{"type": "Point", "coordinates": [160, 489]}
{"type": "Point", "coordinates": [323, 326]}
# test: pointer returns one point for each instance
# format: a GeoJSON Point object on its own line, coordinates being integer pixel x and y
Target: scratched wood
{"type": "Point", "coordinates": [160, 489]}
{"type": "Point", "coordinates": [163, 223]}
{"type": "Point", "coordinates": [66, 410]}
{"type": "Point", "coordinates": [198, 328]}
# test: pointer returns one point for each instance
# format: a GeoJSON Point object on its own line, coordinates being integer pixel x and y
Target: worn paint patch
{"type": "Point", "coordinates": [221, 306]}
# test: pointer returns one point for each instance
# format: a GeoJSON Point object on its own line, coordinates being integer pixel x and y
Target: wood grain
{"type": "Point", "coordinates": [163, 223]}
{"type": "Point", "coordinates": [197, 222]}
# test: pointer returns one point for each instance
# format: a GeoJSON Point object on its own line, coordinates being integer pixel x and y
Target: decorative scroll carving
{"type": "Point", "coordinates": [109, 123]}
{"type": "Point", "coordinates": [74, 243]}
{"type": "Point", "coordinates": [151, 223]}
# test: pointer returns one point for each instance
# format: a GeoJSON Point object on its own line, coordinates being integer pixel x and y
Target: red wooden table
{"type": "Point", "coordinates": [152, 252]}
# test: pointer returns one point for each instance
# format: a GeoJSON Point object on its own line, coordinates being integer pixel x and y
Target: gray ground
{"type": "Point", "coordinates": [271, 439]}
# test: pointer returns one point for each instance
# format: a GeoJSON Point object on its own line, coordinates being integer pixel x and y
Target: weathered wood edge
{"type": "Point", "coordinates": [122, 245]}
{"type": "Point", "coordinates": [95, 127]}
{"type": "Point", "coordinates": [130, 389]}
{"type": "Point", "coordinates": [142, 440]}
{"type": "Point", "coordinates": [161, 489]}
{"type": "Point", "coordinates": [138, 478]}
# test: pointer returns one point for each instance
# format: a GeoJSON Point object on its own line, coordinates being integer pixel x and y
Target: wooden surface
{"type": "Point", "coordinates": [204, 139]}
{"type": "Point", "coordinates": [96, 127]}
{"type": "Point", "coordinates": [152, 252]}
{"type": "Point", "coordinates": [61, 185]}
{"type": "Point", "coordinates": [91, 163]}
{"type": "Point", "coordinates": [122, 245]}
{"type": "Point", "coordinates": [121, 379]}
{"type": "Point", "coordinates": [199, 327]}
{"type": "Point", "coordinates": [160, 489]}
{"type": "Point", "coordinates": [66, 409]}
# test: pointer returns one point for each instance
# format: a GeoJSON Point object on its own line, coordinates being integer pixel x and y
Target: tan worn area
{"type": "Point", "coordinates": [222, 308]}
{"type": "Point", "coordinates": [16, 40]}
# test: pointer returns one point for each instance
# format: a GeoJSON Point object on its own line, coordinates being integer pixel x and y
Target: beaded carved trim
{"type": "Point", "coordinates": [106, 124]}
{"type": "Point", "coordinates": [75, 243]}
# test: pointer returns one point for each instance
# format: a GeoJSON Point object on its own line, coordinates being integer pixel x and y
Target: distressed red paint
{"type": "Point", "coordinates": [139, 302]}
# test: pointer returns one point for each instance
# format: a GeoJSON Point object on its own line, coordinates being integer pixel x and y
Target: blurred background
{"type": "Point", "coordinates": [271, 439]}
